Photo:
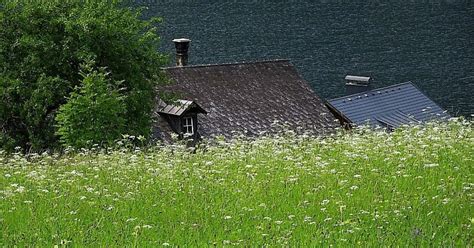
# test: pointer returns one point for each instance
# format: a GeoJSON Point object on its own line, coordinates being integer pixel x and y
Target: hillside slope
{"type": "Point", "coordinates": [411, 187]}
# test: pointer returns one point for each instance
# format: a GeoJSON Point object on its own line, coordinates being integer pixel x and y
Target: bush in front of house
{"type": "Point", "coordinates": [94, 112]}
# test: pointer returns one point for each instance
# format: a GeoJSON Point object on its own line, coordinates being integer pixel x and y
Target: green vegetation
{"type": "Point", "coordinates": [93, 113]}
{"type": "Point", "coordinates": [412, 187]}
{"type": "Point", "coordinates": [42, 47]}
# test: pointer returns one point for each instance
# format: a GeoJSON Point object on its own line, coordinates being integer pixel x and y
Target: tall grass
{"type": "Point", "coordinates": [412, 187]}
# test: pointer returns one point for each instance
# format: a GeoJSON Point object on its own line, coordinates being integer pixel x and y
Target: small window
{"type": "Point", "coordinates": [188, 127]}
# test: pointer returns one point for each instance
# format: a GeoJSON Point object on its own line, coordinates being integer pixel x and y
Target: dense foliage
{"type": "Point", "coordinates": [410, 188]}
{"type": "Point", "coordinates": [43, 44]}
{"type": "Point", "coordinates": [94, 113]}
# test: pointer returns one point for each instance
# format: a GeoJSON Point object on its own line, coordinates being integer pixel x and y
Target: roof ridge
{"type": "Point", "coordinates": [229, 63]}
{"type": "Point", "coordinates": [372, 90]}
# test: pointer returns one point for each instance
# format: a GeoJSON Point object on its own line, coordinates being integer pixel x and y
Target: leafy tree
{"type": "Point", "coordinates": [94, 113]}
{"type": "Point", "coordinates": [43, 44]}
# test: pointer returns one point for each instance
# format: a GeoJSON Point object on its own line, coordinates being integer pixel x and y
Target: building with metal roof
{"type": "Point", "coordinates": [389, 107]}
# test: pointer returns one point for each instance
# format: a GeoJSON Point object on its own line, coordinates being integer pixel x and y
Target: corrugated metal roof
{"type": "Point", "coordinates": [395, 119]}
{"type": "Point", "coordinates": [178, 108]}
{"type": "Point", "coordinates": [393, 106]}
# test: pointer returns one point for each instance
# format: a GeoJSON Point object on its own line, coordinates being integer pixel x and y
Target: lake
{"type": "Point", "coordinates": [427, 42]}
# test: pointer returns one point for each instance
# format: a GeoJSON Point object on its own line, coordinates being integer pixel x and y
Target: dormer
{"type": "Point", "coordinates": [182, 117]}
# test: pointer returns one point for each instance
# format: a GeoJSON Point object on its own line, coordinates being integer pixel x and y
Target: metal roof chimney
{"type": "Point", "coordinates": [357, 84]}
{"type": "Point", "coordinates": [182, 46]}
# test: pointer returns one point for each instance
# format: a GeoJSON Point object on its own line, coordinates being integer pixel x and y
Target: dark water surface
{"type": "Point", "coordinates": [427, 42]}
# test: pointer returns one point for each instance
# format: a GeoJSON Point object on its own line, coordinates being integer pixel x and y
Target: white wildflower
{"type": "Point", "coordinates": [20, 189]}
{"type": "Point", "coordinates": [430, 165]}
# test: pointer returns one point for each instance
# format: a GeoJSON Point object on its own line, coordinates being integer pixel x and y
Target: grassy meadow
{"type": "Point", "coordinates": [412, 187]}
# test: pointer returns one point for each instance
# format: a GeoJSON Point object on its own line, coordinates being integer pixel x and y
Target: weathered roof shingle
{"type": "Point", "coordinates": [249, 97]}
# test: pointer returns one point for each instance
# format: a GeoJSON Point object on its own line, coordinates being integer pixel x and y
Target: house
{"type": "Point", "coordinates": [250, 98]}
{"type": "Point", "coordinates": [388, 107]}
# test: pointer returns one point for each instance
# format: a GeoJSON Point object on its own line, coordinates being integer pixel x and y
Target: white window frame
{"type": "Point", "coordinates": [188, 125]}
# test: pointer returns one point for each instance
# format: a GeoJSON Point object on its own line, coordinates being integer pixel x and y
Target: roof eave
{"type": "Point", "coordinates": [334, 109]}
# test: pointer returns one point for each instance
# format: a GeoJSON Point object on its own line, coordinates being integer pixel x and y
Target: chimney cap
{"type": "Point", "coordinates": [359, 79]}
{"type": "Point", "coordinates": [181, 40]}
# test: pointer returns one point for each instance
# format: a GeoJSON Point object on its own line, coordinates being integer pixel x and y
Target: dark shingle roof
{"type": "Point", "coordinates": [390, 106]}
{"type": "Point", "coordinates": [250, 97]}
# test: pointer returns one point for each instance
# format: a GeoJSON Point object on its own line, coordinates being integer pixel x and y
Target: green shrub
{"type": "Point", "coordinates": [43, 44]}
{"type": "Point", "coordinates": [94, 113]}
